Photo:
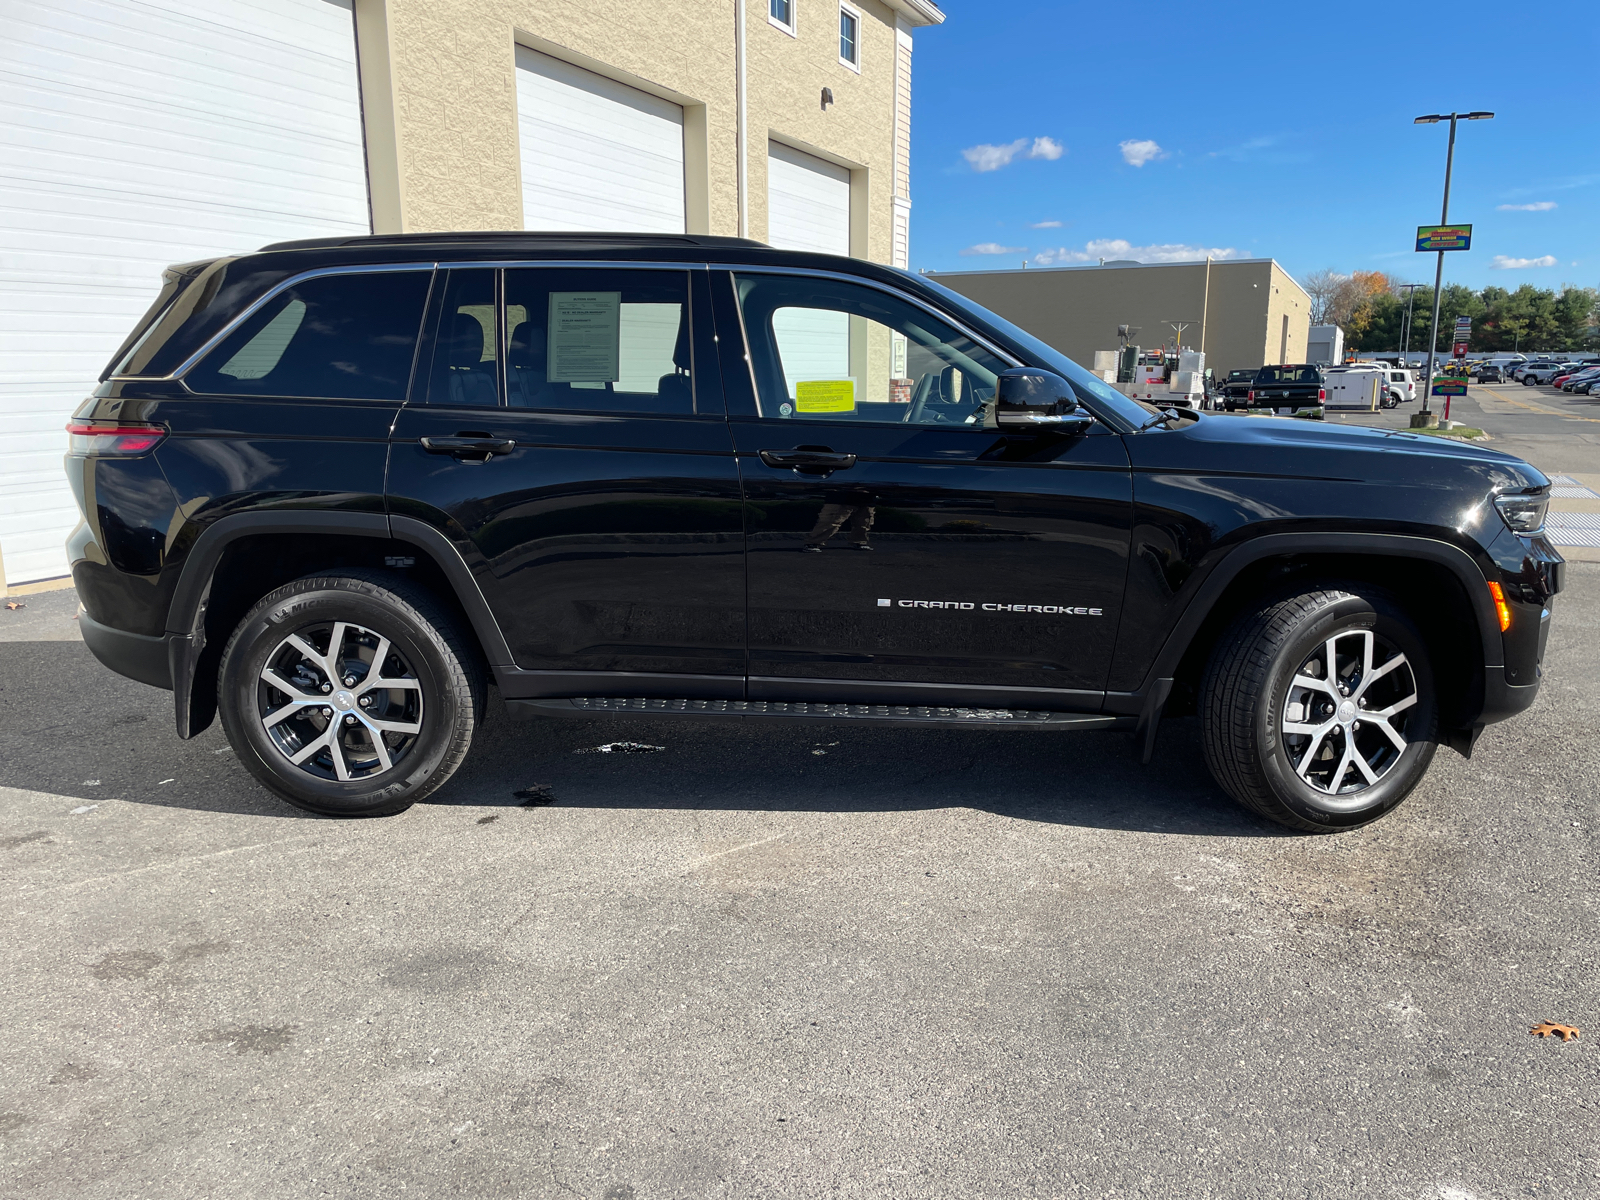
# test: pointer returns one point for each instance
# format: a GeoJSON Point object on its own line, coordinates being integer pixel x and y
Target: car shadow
{"type": "Point", "coordinates": [70, 727]}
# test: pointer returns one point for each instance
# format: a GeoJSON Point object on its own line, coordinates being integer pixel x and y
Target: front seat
{"type": "Point", "coordinates": [675, 392]}
{"type": "Point", "coordinates": [471, 379]}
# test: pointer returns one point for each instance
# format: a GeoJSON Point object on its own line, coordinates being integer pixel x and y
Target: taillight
{"type": "Point", "coordinates": [121, 440]}
{"type": "Point", "coordinates": [1251, 395]}
{"type": "Point", "coordinates": [1322, 393]}
{"type": "Point", "coordinates": [1501, 608]}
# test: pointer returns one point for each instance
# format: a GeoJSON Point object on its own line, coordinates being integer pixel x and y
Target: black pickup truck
{"type": "Point", "coordinates": [1236, 389]}
{"type": "Point", "coordinates": [1291, 387]}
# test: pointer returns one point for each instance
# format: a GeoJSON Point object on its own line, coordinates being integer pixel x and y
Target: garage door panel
{"type": "Point", "coordinates": [808, 202]}
{"type": "Point", "coordinates": [134, 134]}
{"type": "Point", "coordinates": [596, 154]}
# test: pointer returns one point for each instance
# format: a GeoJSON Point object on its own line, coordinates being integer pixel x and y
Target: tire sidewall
{"type": "Point", "coordinates": [1348, 613]}
{"type": "Point", "coordinates": [318, 602]}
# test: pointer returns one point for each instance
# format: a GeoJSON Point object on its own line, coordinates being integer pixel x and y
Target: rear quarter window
{"type": "Point", "coordinates": [343, 336]}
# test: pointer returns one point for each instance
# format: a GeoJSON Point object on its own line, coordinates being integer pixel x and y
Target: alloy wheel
{"type": "Point", "coordinates": [339, 701]}
{"type": "Point", "coordinates": [1344, 718]}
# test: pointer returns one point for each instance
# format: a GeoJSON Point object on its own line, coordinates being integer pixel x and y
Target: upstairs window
{"type": "Point", "coordinates": [781, 14]}
{"type": "Point", "coordinates": [849, 38]}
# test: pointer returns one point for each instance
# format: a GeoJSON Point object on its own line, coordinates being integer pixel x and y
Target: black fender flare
{"type": "Point", "coordinates": [1153, 691]}
{"type": "Point", "coordinates": [185, 636]}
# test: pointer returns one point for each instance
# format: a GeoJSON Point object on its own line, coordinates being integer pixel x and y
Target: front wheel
{"type": "Point", "coordinates": [350, 695]}
{"type": "Point", "coordinates": [1318, 711]}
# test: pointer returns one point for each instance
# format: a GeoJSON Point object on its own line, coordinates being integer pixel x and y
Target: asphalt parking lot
{"type": "Point", "coordinates": [796, 962]}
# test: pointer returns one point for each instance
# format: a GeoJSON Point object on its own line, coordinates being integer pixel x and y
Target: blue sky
{"type": "Point", "coordinates": [1258, 130]}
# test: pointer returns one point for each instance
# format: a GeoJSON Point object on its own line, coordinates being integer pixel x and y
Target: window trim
{"type": "Point", "coordinates": [794, 19]}
{"type": "Point", "coordinates": [854, 13]}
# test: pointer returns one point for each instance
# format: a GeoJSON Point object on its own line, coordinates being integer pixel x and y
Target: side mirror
{"type": "Point", "coordinates": [1035, 399]}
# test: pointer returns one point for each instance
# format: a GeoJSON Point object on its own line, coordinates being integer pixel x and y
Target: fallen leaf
{"type": "Point", "coordinates": [13, 605]}
{"type": "Point", "coordinates": [1566, 1033]}
{"type": "Point", "coordinates": [492, 817]}
{"type": "Point", "coordinates": [534, 795]}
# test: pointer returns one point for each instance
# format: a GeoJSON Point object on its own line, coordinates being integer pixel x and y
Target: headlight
{"type": "Point", "coordinates": [1523, 513]}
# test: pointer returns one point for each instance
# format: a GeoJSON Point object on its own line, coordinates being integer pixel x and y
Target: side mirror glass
{"type": "Point", "coordinates": [1039, 400]}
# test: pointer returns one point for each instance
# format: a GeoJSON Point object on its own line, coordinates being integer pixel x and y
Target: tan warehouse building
{"type": "Point", "coordinates": [1240, 312]}
{"type": "Point", "coordinates": [138, 133]}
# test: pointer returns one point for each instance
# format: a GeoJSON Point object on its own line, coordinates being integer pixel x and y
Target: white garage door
{"type": "Point", "coordinates": [596, 154]}
{"type": "Point", "coordinates": [808, 202]}
{"type": "Point", "coordinates": [808, 208]}
{"type": "Point", "coordinates": [134, 134]}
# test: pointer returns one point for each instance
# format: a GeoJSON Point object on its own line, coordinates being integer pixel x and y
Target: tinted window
{"type": "Point", "coordinates": [1295, 374]}
{"type": "Point", "coordinates": [594, 340]}
{"type": "Point", "coordinates": [824, 350]}
{"type": "Point", "coordinates": [336, 336]}
{"type": "Point", "coordinates": [466, 350]}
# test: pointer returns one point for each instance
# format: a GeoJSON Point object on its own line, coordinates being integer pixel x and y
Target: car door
{"type": "Point", "coordinates": [900, 549]}
{"type": "Point", "coordinates": [566, 432]}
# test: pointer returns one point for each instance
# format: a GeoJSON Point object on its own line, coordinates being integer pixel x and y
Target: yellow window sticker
{"type": "Point", "coordinates": [825, 395]}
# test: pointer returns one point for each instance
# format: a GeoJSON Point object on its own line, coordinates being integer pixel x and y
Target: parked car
{"type": "Point", "coordinates": [1236, 389]}
{"type": "Point", "coordinates": [1545, 373]}
{"type": "Point", "coordinates": [1587, 386]}
{"type": "Point", "coordinates": [1402, 388]}
{"type": "Point", "coordinates": [1517, 371]}
{"type": "Point", "coordinates": [1571, 383]}
{"type": "Point", "coordinates": [334, 488]}
{"type": "Point", "coordinates": [1489, 373]}
{"type": "Point", "coordinates": [1289, 387]}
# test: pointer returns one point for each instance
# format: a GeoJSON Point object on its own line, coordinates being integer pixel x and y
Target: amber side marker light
{"type": "Point", "coordinates": [1500, 606]}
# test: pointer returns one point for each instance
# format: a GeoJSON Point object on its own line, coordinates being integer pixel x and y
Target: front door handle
{"type": "Point", "coordinates": [469, 446]}
{"type": "Point", "coordinates": [809, 460]}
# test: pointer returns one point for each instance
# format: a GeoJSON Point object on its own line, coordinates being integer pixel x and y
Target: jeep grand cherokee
{"type": "Point", "coordinates": [334, 489]}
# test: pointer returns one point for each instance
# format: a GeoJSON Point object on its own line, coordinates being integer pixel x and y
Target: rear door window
{"type": "Point", "coordinates": [600, 340]}
{"type": "Point", "coordinates": [344, 336]}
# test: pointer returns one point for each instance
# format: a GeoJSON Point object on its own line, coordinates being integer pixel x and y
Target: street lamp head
{"type": "Point", "coordinates": [1479, 116]}
{"type": "Point", "coordinates": [1432, 119]}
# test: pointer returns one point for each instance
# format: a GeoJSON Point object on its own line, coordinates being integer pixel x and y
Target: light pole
{"type": "Point", "coordinates": [1410, 289]}
{"type": "Point", "coordinates": [1444, 219]}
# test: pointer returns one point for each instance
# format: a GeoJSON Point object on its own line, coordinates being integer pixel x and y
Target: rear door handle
{"type": "Point", "coordinates": [469, 445]}
{"type": "Point", "coordinates": [808, 459]}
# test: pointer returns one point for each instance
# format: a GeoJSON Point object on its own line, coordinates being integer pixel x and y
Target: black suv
{"type": "Point", "coordinates": [334, 489]}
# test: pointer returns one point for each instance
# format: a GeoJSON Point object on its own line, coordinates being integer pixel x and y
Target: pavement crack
{"type": "Point", "coordinates": [556, 1179]}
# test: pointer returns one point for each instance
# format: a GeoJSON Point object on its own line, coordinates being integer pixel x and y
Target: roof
{"type": "Point", "coordinates": [518, 238]}
{"type": "Point", "coordinates": [917, 12]}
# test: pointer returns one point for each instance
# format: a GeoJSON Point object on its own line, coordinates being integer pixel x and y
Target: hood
{"type": "Point", "coordinates": [1314, 450]}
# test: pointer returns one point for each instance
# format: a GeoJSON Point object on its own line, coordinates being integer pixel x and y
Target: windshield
{"type": "Point", "coordinates": [1294, 374]}
{"type": "Point", "coordinates": [1241, 376]}
{"type": "Point", "coordinates": [1102, 395]}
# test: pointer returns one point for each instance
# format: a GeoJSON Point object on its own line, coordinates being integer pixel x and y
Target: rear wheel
{"type": "Point", "coordinates": [1318, 711]}
{"type": "Point", "coordinates": [350, 695]}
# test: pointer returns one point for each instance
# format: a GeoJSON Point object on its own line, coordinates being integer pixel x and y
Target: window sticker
{"type": "Point", "coordinates": [585, 337]}
{"type": "Point", "coordinates": [825, 395]}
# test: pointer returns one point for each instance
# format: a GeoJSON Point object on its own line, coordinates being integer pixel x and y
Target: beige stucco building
{"type": "Point", "coordinates": [1240, 312]}
{"type": "Point", "coordinates": [447, 126]}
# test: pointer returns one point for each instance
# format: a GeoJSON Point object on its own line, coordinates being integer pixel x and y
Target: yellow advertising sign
{"type": "Point", "coordinates": [825, 395]}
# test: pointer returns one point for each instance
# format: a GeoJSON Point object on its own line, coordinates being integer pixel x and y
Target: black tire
{"type": "Point", "coordinates": [1249, 686]}
{"type": "Point", "coordinates": [428, 657]}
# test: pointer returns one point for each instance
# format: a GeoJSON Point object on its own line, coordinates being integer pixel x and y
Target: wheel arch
{"type": "Point", "coordinates": [1439, 584]}
{"type": "Point", "coordinates": [241, 558]}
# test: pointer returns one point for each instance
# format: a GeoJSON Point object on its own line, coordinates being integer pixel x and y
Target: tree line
{"type": "Point", "coordinates": [1370, 307]}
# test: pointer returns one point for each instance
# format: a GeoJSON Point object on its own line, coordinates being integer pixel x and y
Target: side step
{"type": "Point", "coordinates": [800, 710]}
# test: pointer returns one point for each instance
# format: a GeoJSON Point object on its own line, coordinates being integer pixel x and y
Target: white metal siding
{"type": "Point", "coordinates": [134, 134]}
{"type": "Point", "coordinates": [808, 202]}
{"type": "Point", "coordinates": [596, 154]}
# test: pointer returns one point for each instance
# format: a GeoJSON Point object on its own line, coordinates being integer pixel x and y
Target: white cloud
{"type": "Point", "coordinates": [1045, 225]}
{"type": "Point", "coordinates": [992, 158]}
{"type": "Point", "coordinates": [1137, 153]}
{"type": "Point", "coordinates": [1113, 248]}
{"type": "Point", "coordinates": [1540, 206]}
{"type": "Point", "coordinates": [1502, 263]}
{"type": "Point", "coordinates": [993, 248]}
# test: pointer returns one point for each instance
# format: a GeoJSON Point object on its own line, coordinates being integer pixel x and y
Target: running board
{"type": "Point", "coordinates": [800, 710]}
